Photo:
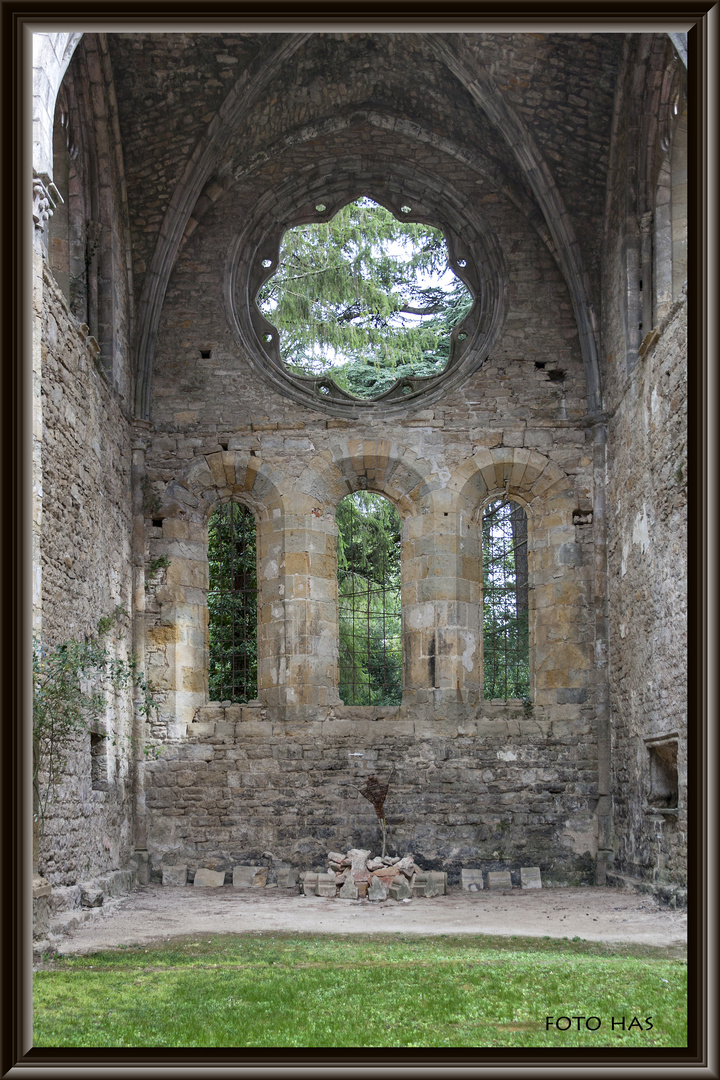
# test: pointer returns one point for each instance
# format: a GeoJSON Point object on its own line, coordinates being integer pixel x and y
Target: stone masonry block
{"type": "Point", "coordinates": [209, 878]}
{"type": "Point", "coordinates": [530, 877]}
{"type": "Point", "coordinates": [499, 879]}
{"type": "Point", "coordinates": [249, 876]}
{"type": "Point", "coordinates": [471, 880]}
{"type": "Point", "coordinates": [174, 875]}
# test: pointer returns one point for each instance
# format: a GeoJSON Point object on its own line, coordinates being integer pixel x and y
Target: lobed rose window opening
{"type": "Point", "coordinates": [365, 299]}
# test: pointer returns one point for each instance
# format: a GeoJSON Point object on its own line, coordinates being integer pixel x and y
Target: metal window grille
{"type": "Point", "coordinates": [369, 538]}
{"type": "Point", "coordinates": [505, 600]}
{"type": "Point", "coordinates": [232, 603]}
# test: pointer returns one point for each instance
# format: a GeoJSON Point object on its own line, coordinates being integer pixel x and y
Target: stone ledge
{"type": "Point", "coordinates": [668, 894]}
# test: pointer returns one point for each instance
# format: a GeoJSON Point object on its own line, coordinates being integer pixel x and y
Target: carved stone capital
{"type": "Point", "coordinates": [45, 198]}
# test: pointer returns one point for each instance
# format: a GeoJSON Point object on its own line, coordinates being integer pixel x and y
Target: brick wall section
{"type": "Point", "coordinates": [86, 565]}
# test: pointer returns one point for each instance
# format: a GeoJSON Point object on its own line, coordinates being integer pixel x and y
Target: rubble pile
{"type": "Point", "coordinates": [356, 875]}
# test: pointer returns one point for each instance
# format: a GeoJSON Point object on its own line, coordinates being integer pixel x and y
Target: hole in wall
{"type": "Point", "coordinates": [321, 207]}
{"type": "Point", "coordinates": [462, 262]}
{"type": "Point", "coordinates": [663, 775]}
{"type": "Point", "coordinates": [157, 523]}
{"type": "Point", "coordinates": [405, 209]}
{"type": "Point", "coordinates": [205, 354]}
{"type": "Point", "coordinates": [557, 375]}
{"type": "Point", "coordinates": [540, 365]}
{"type": "Point", "coordinates": [267, 262]}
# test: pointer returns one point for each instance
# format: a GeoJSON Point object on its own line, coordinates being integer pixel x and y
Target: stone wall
{"type": "Point", "coordinates": [503, 787]}
{"type": "Point", "coordinates": [646, 493]}
{"type": "Point", "coordinates": [86, 550]}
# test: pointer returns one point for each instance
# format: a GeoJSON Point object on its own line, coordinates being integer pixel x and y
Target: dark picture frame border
{"type": "Point", "coordinates": [17, 19]}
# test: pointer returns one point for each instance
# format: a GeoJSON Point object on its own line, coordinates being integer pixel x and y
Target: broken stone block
{"type": "Point", "coordinates": [336, 857]}
{"type": "Point", "coordinates": [174, 875]}
{"type": "Point", "coordinates": [499, 879]}
{"type": "Point", "coordinates": [286, 877]}
{"type": "Point", "coordinates": [358, 863]}
{"type": "Point", "coordinates": [530, 877]}
{"type": "Point", "coordinates": [378, 890]}
{"type": "Point", "coordinates": [418, 884]}
{"type": "Point", "coordinates": [209, 878]}
{"type": "Point", "coordinates": [349, 891]}
{"type": "Point", "coordinates": [406, 866]}
{"type": "Point", "coordinates": [249, 876]}
{"type": "Point", "coordinates": [309, 884]}
{"type": "Point", "coordinates": [435, 885]}
{"type": "Point", "coordinates": [374, 864]}
{"type": "Point", "coordinates": [470, 878]}
{"type": "Point", "coordinates": [390, 860]}
{"type": "Point", "coordinates": [400, 890]}
{"type": "Point", "coordinates": [91, 896]}
{"type": "Point", "coordinates": [326, 885]}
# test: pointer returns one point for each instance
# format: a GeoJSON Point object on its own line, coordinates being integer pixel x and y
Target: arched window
{"type": "Point", "coordinates": [505, 600]}
{"type": "Point", "coordinates": [232, 603]}
{"type": "Point", "coordinates": [369, 533]}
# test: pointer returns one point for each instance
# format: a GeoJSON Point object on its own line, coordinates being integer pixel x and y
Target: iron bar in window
{"type": "Point", "coordinates": [505, 600]}
{"type": "Point", "coordinates": [232, 603]}
{"type": "Point", "coordinates": [369, 535]}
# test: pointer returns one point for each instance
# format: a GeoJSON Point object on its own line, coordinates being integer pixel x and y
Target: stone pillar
{"type": "Point", "coordinates": [297, 609]}
{"type": "Point", "coordinates": [442, 606]}
{"type": "Point", "coordinates": [139, 446]}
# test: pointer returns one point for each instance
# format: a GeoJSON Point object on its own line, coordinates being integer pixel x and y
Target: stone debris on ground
{"type": "Point", "coordinates": [357, 875]}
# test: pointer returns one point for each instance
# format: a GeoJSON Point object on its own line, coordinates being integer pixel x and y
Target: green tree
{"type": "Point", "coordinates": [369, 538]}
{"type": "Point", "coordinates": [505, 601]}
{"type": "Point", "coordinates": [232, 603]}
{"type": "Point", "coordinates": [364, 298]}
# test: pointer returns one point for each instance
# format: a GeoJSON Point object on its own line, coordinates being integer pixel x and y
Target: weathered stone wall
{"type": "Point", "coordinates": [518, 426]}
{"type": "Point", "coordinates": [502, 787]}
{"type": "Point", "coordinates": [86, 553]}
{"type": "Point", "coordinates": [646, 401]}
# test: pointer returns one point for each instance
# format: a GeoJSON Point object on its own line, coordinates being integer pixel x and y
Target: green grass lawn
{"type": "Point", "coordinates": [278, 990]}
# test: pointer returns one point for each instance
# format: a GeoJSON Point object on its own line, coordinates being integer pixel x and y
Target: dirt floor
{"type": "Point", "coordinates": [153, 913]}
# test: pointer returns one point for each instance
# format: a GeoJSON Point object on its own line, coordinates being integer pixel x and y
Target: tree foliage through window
{"type": "Point", "coordinates": [369, 536]}
{"type": "Point", "coordinates": [232, 604]}
{"type": "Point", "coordinates": [505, 600]}
{"type": "Point", "coordinates": [364, 298]}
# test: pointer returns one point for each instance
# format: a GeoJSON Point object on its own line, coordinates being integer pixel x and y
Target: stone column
{"type": "Point", "coordinates": [442, 606]}
{"type": "Point", "coordinates": [139, 446]}
{"type": "Point", "coordinates": [297, 620]}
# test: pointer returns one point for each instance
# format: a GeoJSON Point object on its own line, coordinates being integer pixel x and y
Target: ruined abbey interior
{"type": "Point", "coordinates": [167, 168]}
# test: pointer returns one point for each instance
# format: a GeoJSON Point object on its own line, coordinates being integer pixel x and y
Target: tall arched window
{"type": "Point", "coordinates": [232, 603]}
{"type": "Point", "coordinates": [505, 600]}
{"type": "Point", "coordinates": [369, 533]}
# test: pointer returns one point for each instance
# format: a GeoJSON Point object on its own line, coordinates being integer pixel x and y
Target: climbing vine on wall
{"type": "Point", "coordinates": [72, 684]}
